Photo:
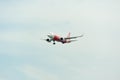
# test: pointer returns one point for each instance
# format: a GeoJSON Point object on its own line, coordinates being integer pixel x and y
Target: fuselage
{"type": "Point", "coordinates": [57, 38]}
{"type": "Point", "coordinates": [68, 39]}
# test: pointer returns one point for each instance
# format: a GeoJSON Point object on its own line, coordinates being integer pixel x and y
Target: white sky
{"type": "Point", "coordinates": [23, 56]}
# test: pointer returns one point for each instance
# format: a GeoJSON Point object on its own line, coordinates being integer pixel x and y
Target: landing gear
{"type": "Point", "coordinates": [54, 43]}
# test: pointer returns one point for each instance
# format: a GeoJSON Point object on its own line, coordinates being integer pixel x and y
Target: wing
{"type": "Point", "coordinates": [48, 40]}
{"type": "Point", "coordinates": [74, 37]}
{"type": "Point", "coordinates": [73, 40]}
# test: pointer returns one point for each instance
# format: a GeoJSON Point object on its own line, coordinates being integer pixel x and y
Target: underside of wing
{"type": "Point", "coordinates": [73, 40]}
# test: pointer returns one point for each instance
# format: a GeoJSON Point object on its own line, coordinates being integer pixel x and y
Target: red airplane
{"type": "Point", "coordinates": [54, 37]}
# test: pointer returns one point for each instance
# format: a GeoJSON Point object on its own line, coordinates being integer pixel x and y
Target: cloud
{"type": "Point", "coordinates": [95, 55]}
{"type": "Point", "coordinates": [2, 78]}
{"type": "Point", "coordinates": [52, 11]}
{"type": "Point", "coordinates": [18, 36]}
{"type": "Point", "coordinates": [32, 72]}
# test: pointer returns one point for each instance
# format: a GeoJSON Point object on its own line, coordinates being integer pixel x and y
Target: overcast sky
{"type": "Point", "coordinates": [23, 56]}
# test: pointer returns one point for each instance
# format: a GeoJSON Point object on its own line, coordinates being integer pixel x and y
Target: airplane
{"type": "Point", "coordinates": [57, 38]}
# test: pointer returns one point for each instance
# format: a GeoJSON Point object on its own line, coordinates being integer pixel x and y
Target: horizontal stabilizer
{"type": "Point", "coordinates": [73, 40]}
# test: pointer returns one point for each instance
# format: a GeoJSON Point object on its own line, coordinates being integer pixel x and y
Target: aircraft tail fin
{"type": "Point", "coordinates": [68, 36]}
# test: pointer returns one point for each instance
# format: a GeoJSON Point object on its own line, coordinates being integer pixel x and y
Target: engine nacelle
{"type": "Point", "coordinates": [61, 38]}
{"type": "Point", "coordinates": [48, 40]}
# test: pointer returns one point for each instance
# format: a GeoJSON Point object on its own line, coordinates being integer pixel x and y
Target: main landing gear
{"type": "Point", "coordinates": [53, 42]}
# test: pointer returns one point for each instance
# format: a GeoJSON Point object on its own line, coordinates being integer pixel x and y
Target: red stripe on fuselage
{"type": "Point", "coordinates": [56, 38]}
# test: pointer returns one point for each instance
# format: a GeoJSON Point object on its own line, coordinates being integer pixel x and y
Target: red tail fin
{"type": "Point", "coordinates": [68, 35]}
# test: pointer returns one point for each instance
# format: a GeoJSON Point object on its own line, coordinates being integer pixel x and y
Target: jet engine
{"type": "Point", "coordinates": [48, 40]}
{"type": "Point", "coordinates": [61, 38]}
